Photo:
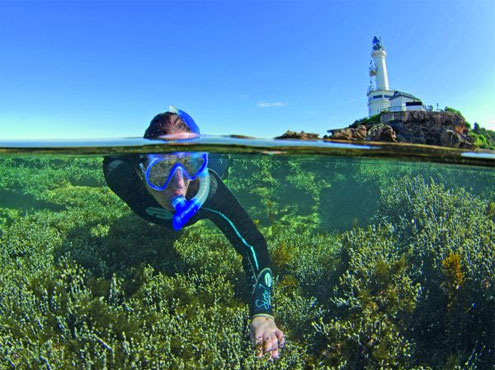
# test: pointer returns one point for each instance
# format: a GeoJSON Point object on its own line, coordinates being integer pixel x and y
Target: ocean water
{"type": "Point", "coordinates": [383, 257]}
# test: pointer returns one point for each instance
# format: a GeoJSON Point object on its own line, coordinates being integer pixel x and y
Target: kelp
{"type": "Point", "coordinates": [405, 281]}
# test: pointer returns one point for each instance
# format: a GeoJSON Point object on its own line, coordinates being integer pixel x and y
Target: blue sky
{"type": "Point", "coordinates": [86, 69]}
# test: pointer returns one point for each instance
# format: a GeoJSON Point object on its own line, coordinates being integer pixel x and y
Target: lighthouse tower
{"type": "Point", "coordinates": [379, 94]}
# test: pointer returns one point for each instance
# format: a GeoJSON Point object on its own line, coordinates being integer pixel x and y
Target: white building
{"type": "Point", "coordinates": [380, 97]}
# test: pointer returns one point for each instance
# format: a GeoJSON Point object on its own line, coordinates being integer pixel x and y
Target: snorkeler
{"type": "Point", "coordinates": [177, 190]}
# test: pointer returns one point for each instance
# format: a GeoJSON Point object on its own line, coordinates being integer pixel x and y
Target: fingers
{"type": "Point", "coordinates": [268, 341]}
{"type": "Point", "coordinates": [274, 349]}
{"type": "Point", "coordinates": [258, 342]}
{"type": "Point", "coordinates": [280, 343]}
{"type": "Point", "coordinates": [280, 337]}
{"type": "Point", "coordinates": [271, 345]}
{"type": "Point", "coordinates": [275, 354]}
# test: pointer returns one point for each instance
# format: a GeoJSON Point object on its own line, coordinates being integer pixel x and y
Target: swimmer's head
{"type": "Point", "coordinates": [171, 124]}
{"type": "Point", "coordinates": [165, 186]}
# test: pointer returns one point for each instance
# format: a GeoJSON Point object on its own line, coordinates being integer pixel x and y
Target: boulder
{"type": "Point", "coordinates": [381, 132]}
{"type": "Point", "coordinates": [348, 134]}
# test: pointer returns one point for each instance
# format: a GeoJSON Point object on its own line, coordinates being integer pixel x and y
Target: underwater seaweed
{"type": "Point", "coordinates": [451, 243]}
{"type": "Point", "coordinates": [371, 306]}
{"type": "Point", "coordinates": [454, 277]}
{"type": "Point", "coordinates": [85, 283]}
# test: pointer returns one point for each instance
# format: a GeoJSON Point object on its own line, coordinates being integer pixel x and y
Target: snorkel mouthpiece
{"type": "Point", "coordinates": [185, 209]}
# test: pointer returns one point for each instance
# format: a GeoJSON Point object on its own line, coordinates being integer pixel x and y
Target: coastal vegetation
{"type": "Point", "coordinates": [366, 121]}
{"type": "Point", "coordinates": [377, 264]}
{"type": "Point", "coordinates": [483, 138]}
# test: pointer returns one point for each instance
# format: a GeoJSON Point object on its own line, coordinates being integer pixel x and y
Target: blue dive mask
{"type": "Point", "coordinates": [161, 168]}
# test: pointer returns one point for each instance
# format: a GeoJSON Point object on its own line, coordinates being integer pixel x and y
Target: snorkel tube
{"type": "Point", "coordinates": [185, 209]}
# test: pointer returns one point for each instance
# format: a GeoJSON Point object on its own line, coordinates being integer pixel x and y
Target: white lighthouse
{"type": "Point", "coordinates": [380, 97]}
{"type": "Point", "coordinates": [378, 54]}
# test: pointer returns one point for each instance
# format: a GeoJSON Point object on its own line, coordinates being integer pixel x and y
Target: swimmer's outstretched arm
{"type": "Point", "coordinates": [227, 213]}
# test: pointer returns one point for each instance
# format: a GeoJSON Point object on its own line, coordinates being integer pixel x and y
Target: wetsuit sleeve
{"type": "Point", "coordinates": [123, 180]}
{"type": "Point", "coordinates": [223, 208]}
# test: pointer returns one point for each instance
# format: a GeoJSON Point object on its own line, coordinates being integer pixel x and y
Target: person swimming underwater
{"type": "Point", "coordinates": [176, 190]}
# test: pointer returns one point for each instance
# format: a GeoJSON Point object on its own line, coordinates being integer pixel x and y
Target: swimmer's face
{"type": "Point", "coordinates": [179, 184]}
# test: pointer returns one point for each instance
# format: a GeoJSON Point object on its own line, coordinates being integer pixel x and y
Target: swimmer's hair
{"type": "Point", "coordinates": [165, 124]}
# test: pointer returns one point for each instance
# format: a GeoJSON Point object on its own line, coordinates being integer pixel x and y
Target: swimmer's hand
{"type": "Point", "coordinates": [266, 336]}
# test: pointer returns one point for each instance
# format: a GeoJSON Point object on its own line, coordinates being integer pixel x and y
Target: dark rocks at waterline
{"type": "Point", "coordinates": [298, 135]}
{"type": "Point", "coordinates": [376, 132]}
{"type": "Point", "coordinates": [431, 128]}
{"type": "Point", "coordinates": [382, 133]}
{"type": "Point", "coordinates": [351, 134]}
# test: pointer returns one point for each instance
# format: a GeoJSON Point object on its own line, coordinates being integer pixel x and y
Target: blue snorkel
{"type": "Point", "coordinates": [185, 209]}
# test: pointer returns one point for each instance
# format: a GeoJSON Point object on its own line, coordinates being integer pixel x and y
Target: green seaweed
{"type": "Point", "coordinates": [410, 284]}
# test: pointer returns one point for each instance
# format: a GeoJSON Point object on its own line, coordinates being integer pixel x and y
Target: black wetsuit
{"type": "Point", "coordinates": [221, 207]}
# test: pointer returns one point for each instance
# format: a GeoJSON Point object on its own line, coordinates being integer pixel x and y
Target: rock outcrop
{"type": "Point", "coordinates": [350, 133]}
{"type": "Point", "coordinates": [298, 135]}
{"type": "Point", "coordinates": [417, 127]}
{"type": "Point", "coordinates": [381, 132]}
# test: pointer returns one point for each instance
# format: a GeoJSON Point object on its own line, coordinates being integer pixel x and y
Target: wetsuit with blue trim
{"type": "Point", "coordinates": [221, 207]}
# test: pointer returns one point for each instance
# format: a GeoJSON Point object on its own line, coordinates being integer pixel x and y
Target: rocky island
{"type": "Point", "coordinates": [298, 135]}
{"type": "Point", "coordinates": [444, 128]}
